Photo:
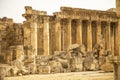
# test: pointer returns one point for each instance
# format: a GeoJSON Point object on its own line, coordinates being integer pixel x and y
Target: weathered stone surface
{"type": "Point", "coordinates": [73, 30]}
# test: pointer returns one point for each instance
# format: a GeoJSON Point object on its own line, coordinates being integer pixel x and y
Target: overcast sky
{"type": "Point", "coordinates": [15, 8]}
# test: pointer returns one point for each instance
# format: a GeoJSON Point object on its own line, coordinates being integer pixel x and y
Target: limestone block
{"type": "Point", "coordinates": [107, 67]}
{"type": "Point", "coordinates": [2, 73]}
{"type": "Point", "coordinates": [31, 67]}
{"type": "Point", "coordinates": [44, 69]}
{"type": "Point", "coordinates": [56, 67]}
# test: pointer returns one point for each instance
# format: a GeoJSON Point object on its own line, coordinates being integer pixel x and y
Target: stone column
{"type": "Point", "coordinates": [63, 32]}
{"type": "Point", "coordinates": [116, 62]}
{"type": "Point", "coordinates": [108, 40]}
{"type": "Point", "coordinates": [33, 26]}
{"type": "Point", "coordinates": [118, 7]}
{"type": "Point", "coordinates": [117, 70]}
{"type": "Point", "coordinates": [79, 32]}
{"type": "Point", "coordinates": [117, 41]}
{"type": "Point", "coordinates": [0, 41]}
{"type": "Point", "coordinates": [46, 36]}
{"type": "Point", "coordinates": [69, 33]}
{"type": "Point", "coordinates": [58, 34]}
{"type": "Point", "coordinates": [89, 36]}
{"type": "Point", "coordinates": [116, 59]}
{"type": "Point", "coordinates": [118, 37]}
{"type": "Point", "coordinates": [98, 31]}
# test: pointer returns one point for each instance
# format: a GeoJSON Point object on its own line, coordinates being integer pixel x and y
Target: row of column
{"type": "Point", "coordinates": [79, 34]}
{"type": "Point", "coordinates": [58, 33]}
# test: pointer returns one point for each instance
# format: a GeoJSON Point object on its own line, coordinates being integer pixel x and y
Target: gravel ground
{"type": "Point", "coordinates": [93, 75]}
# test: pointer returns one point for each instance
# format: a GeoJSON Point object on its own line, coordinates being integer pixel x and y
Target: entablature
{"type": "Point", "coordinates": [78, 13]}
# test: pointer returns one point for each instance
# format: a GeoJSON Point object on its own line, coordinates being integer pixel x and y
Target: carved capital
{"type": "Point", "coordinates": [63, 22]}
{"type": "Point", "coordinates": [89, 22]}
{"type": "Point", "coordinates": [107, 23]}
{"type": "Point", "coordinates": [79, 21]}
{"type": "Point", "coordinates": [57, 20]}
{"type": "Point", "coordinates": [69, 21]}
{"type": "Point", "coordinates": [46, 19]}
{"type": "Point", "coordinates": [34, 18]}
{"type": "Point", "coordinates": [98, 23]}
{"type": "Point", "coordinates": [40, 20]}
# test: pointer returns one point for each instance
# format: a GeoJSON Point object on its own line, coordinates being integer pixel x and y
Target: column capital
{"type": "Point", "coordinates": [34, 18]}
{"type": "Point", "coordinates": [98, 22]}
{"type": "Point", "coordinates": [40, 20]}
{"type": "Point", "coordinates": [89, 22]}
{"type": "Point", "coordinates": [108, 23]}
{"type": "Point", "coordinates": [69, 21]}
{"type": "Point", "coordinates": [79, 21]}
{"type": "Point", "coordinates": [57, 20]}
{"type": "Point", "coordinates": [46, 19]}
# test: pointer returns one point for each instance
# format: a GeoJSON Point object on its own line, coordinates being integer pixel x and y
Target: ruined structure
{"type": "Point", "coordinates": [116, 58]}
{"type": "Point", "coordinates": [69, 26]}
{"type": "Point", "coordinates": [43, 34]}
{"type": "Point", "coordinates": [11, 34]}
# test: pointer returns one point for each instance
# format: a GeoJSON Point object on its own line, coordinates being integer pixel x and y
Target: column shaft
{"type": "Point", "coordinates": [69, 32]}
{"type": "Point", "coordinates": [34, 36]}
{"type": "Point", "coordinates": [108, 39]}
{"type": "Point", "coordinates": [46, 36]}
{"type": "Point", "coordinates": [118, 37]}
{"type": "Point", "coordinates": [98, 31]}
{"type": "Point", "coordinates": [116, 71]}
{"type": "Point", "coordinates": [89, 36]}
{"type": "Point", "coordinates": [58, 34]}
{"type": "Point", "coordinates": [79, 32]}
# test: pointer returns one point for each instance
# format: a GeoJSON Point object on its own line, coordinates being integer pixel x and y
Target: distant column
{"type": "Point", "coordinates": [79, 31]}
{"type": "Point", "coordinates": [108, 42]}
{"type": "Point", "coordinates": [89, 36]}
{"type": "Point", "coordinates": [34, 34]}
{"type": "Point", "coordinates": [116, 58]}
{"type": "Point", "coordinates": [58, 34]}
{"type": "Point", "coordinates": [118, 27]}
{"type": "Point", "coordinates": [0, 41]}
{"type": "Point", "coordinates": [69, 32]}
{"type": "Point", "coordinates": [98, 31]}
{"type": "Point", "coordinates": [46, 36]}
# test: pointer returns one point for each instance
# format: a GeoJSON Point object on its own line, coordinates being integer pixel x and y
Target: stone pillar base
{"type": "Point", "coordinates": [116, 63]}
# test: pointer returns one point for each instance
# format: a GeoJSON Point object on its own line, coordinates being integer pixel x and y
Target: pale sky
{"type": "Point", "coordinates": [15, 8]}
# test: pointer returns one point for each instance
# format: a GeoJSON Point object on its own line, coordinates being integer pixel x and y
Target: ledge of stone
{"type": "Point", "coordinates": [29, 10]}
{"type": "Point", "coordinates": [114, 59]}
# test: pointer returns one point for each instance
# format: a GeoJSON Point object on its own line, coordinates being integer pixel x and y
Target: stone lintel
{"type": "Point", "coordinates": [6, 20]}
{"type": "Point", "coordinates": [29, 10]}
{"type": "Point", "coordinates": [65, 8]}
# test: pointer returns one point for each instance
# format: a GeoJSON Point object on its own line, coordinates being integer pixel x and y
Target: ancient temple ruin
{"type": "Point", "coordinates": [43, 34]}
{"type": "Point", "coordinates": [69, 26]}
